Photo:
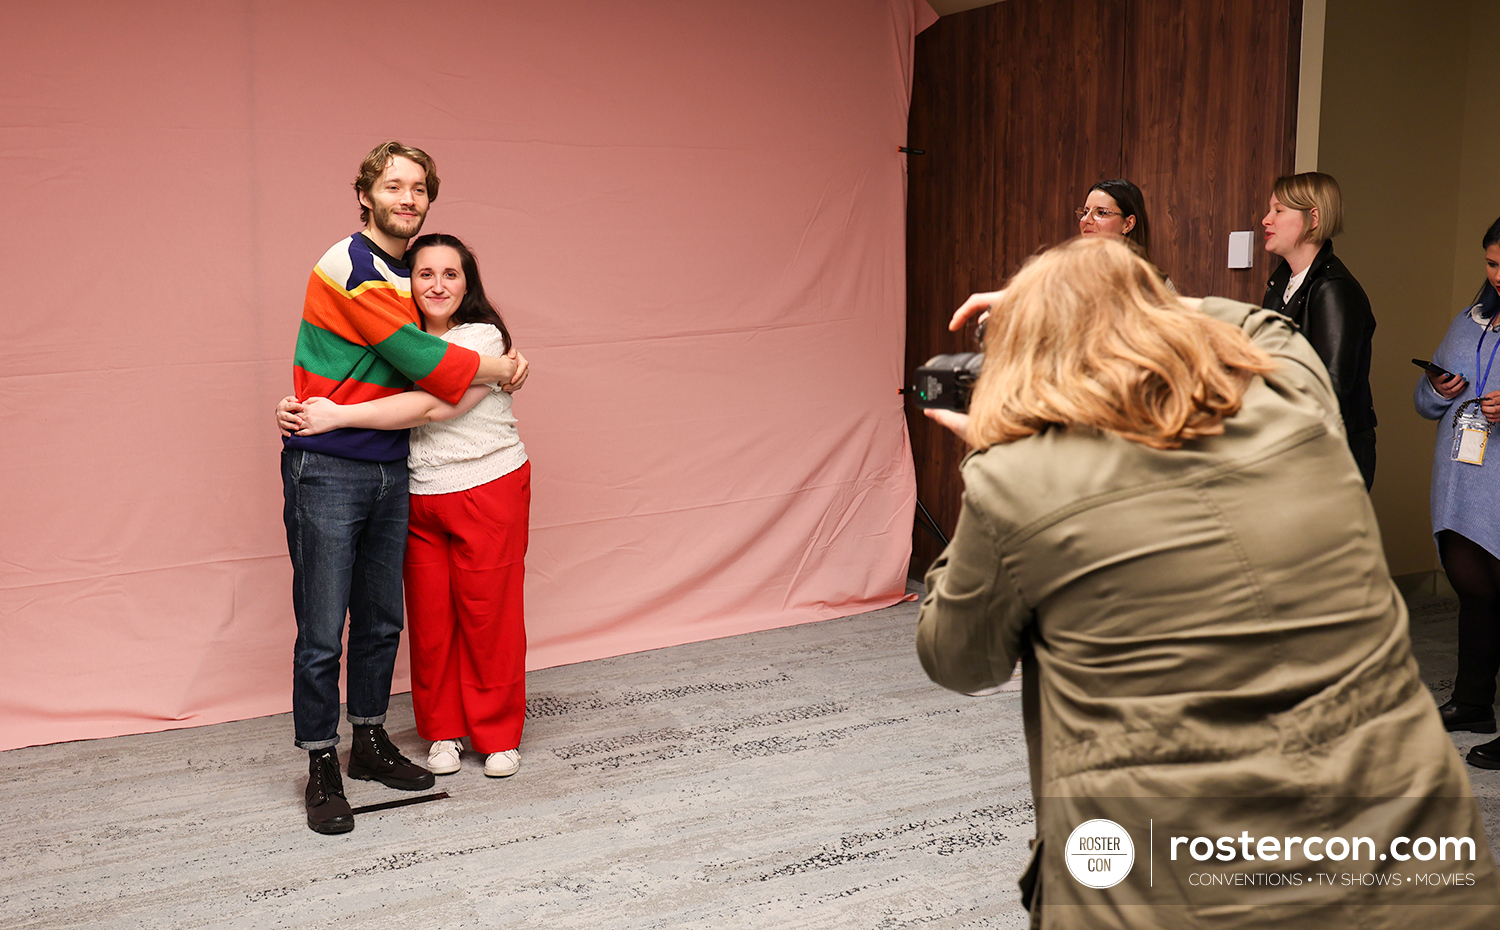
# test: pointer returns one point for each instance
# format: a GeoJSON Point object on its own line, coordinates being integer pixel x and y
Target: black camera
{"type": "Point", "coordinates": [945, 381]}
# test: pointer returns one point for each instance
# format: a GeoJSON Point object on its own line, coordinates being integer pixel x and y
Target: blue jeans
{"type": "Point", "coordinates": [346, 534]}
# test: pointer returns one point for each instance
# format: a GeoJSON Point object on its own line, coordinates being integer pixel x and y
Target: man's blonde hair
{"type": "Point", "coordinates": [1087, 335]}
{"type": "Point", "coordinates": [379, 159]}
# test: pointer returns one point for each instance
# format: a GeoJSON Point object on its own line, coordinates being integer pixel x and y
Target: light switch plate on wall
{"type": "Point", "coordinates": [1241, 245]}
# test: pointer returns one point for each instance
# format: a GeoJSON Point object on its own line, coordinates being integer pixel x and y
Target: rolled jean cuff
{"type": "Point", "coordinates": [367, 721]}
{"type": "Point", "coordinates": [316, 744]}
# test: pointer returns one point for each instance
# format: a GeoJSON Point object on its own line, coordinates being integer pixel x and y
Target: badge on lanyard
{"type": "Point", "coordinates": [1471, 431]}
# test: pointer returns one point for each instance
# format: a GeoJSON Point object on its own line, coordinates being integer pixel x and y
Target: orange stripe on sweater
{"type": "Point", "coordinates": [328, 306]}
{"type": "Point", "coordinates": [453, 375]}
{"type": "Point", "coordinates": [305, 384]}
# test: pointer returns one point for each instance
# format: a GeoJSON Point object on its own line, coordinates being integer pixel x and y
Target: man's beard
{"type": "Point", "coordinates": [386, 222]}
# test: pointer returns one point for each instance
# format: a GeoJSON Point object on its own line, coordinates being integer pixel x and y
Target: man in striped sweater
{"type": "Point", "coordinates": [346, 490]}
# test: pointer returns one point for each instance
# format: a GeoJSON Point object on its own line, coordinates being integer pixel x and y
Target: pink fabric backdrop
{"type": "Point", "coordinates": [690, 210]}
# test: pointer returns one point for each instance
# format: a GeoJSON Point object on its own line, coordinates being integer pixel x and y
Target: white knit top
{"type": "Point", "coordinates": [472, 449]}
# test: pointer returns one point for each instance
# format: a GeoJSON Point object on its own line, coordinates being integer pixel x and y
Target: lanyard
{"type": "Point", "coordinates": [1479, 388]}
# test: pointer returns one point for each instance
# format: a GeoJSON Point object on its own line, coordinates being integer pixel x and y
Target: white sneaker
{"type": "Point", "coordinates": [502, 764]}
{"type": "Point", "coordinates": [442, 756]}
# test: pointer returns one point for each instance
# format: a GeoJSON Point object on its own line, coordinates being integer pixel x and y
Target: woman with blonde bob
{"type": "Point", "coordinates": [1314, 287]}
{"type": "Point", "coordinates": [1161, 521]}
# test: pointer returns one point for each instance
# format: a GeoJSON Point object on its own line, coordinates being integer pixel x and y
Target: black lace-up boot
{"type": "Point", "coordinates": [375, 758]}
{"type": "Point", "coordinates": [1479, 718]}
{"type": "Point", "coordinates": [1486, 755]}
{"type": "Point", "coordinates": [327, 810]}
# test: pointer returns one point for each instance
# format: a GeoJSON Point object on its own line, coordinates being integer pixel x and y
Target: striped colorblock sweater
{"type": "Point", "coordinates": [361, 339]}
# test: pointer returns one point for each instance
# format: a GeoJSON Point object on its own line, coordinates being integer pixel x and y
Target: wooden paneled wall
{"type": "Point", "coordinates": [1022, 105]}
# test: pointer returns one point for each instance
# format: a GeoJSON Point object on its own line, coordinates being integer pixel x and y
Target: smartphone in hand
{"type": "Point", "coordinates": [1432, 368]}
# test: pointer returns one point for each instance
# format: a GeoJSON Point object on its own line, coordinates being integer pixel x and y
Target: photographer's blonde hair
{"type": "Point", "coordinates": [1087, 335]}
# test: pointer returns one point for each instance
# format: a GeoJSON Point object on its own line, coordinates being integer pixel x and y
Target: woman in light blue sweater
{"type": "Point", "coordinates": [1466, 498]}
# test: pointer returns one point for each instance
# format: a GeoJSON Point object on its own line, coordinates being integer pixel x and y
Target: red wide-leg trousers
{"type": "Point", "coordinates": [464, 572]}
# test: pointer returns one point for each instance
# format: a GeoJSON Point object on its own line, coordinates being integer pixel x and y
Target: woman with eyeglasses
{"type": "Point", "coordinates": [1116, 207]}
{"type": "Point", "coordinates": [1314, 288]}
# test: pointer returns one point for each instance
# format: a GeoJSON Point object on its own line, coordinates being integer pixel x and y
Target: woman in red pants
{"type": "Point", "coordinates": [466, 539]}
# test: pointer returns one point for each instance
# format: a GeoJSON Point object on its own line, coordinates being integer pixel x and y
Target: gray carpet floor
{"type": "Point", "coordinates": [806, 777]}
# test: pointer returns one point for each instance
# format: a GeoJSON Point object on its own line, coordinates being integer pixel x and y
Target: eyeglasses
{"type": "Point", "coordinates": [1100, 213]}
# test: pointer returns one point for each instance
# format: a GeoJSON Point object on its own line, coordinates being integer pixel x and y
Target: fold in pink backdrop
{"type": "Point", "coordinates": [690, 211]}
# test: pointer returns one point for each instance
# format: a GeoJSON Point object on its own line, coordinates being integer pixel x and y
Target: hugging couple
{"type": "Point", "coordinates": [402, 459]}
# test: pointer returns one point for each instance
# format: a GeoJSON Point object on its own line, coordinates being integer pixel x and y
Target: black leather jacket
{"type": "Point", "coordinates": [1332, 311]}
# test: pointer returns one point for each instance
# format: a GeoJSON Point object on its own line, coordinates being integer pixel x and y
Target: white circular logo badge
{"type": "Point", "coordinates": [1099, 853]}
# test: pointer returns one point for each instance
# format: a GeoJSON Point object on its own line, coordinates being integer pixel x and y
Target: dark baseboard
{"type": "Point", "coordinates": [1429, 584]}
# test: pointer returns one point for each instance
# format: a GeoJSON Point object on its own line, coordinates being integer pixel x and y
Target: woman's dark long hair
{"type": "Point", "coordinates": [475, 307]}
{"type": "Point", "coordinates": [1131, 203]}
{"type": "Point", "coordinates": [1487, 300]}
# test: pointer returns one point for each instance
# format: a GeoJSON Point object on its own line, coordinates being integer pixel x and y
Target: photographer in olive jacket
{"type": "Point", "coordinates": [1162, 522]}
